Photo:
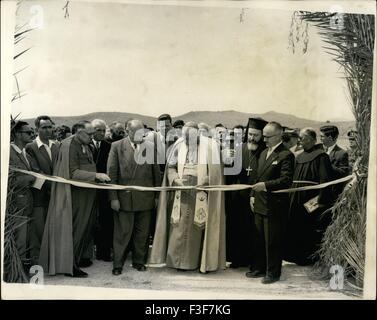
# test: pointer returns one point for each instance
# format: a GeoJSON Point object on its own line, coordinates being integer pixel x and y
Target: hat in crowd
{"type": "Point", "coordinates": [178, 123]}
{"type": "Point", "coordinates": [292, 133]}
{"type": "Point", "coordinates": [256, 123]}
{"type": "Point", "coordinates": [329, 130]}
{"type": "Point", "coordinates": [351, 134]}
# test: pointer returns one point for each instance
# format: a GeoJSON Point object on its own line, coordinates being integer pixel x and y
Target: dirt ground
{"type": "Point", "coordinates": [165, 283]}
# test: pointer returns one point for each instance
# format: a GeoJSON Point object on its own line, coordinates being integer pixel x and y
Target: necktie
{"type": "Point", "coordinates": [97, 145]}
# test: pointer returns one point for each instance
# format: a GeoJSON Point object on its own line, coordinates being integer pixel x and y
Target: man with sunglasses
{"type": "Point", "coordinates": [20, 184]}
{"type": "Point", "coordinates": [72, 209]}
{"type": "Point", "coordinates": [275, 172]}
{"type": "Point", "coordinates": [43, 152]}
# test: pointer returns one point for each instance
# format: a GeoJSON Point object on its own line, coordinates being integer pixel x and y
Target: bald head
{"type": "Point", "coordinates": [272, 134]}
{"type": "Point", "coordinates": [136, 130]}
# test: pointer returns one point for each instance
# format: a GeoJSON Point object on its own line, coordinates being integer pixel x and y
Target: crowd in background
{"type": "Point", "coordinates": [69, 227]}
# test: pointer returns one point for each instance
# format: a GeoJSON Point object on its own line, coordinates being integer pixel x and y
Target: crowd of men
{"type": "Point", "coordinates": [188, 228]}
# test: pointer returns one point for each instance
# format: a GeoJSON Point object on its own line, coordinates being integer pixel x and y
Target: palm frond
{"type": "Point", "coordinates": [351, 44]}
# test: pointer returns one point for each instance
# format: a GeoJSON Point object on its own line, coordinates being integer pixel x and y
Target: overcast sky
{"type": "Point", "coordinates": [173, 59]}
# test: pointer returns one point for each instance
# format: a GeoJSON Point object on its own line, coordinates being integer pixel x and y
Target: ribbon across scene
{"type": "Point", "coordinates": [231, 187]}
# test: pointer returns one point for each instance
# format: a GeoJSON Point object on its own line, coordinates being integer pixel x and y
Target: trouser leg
{"type": "Point", "coordinates": [260, 248]}
{"type": "Point", "coordinates": [37, 224]}
{"type": "Point", "coordinates": [104, 227]}
{"type": "Point", "coordinates": [274, 229]}
{"type": "Point", "coordinates": [141, 236]}
{"type": "Point", "coordinates": [123, 225]}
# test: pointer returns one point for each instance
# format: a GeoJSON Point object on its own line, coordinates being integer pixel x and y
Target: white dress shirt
{"type": "Point", "coordinates": [329, 149]}
{"type": "Point", "coordinates": [270, 150]}
{"type": "Point", "coordinates": [47, 147]}
{"type": "Point", "coordinates": [97, 144]}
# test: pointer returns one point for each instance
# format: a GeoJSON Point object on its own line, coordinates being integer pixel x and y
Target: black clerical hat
{"type": "Point", "coordinates": [257, 123]}
{"type": "Point", "coordinates": [329, 130]}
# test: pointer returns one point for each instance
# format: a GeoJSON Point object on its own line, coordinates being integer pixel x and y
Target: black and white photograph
{"type": "Point", "coordinates": [179, 150]}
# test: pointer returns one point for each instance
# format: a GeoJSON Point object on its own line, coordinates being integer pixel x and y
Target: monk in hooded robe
{"type": "Point", "coordinates": [72, 210]}
{"type": "Point", "coordinates": [192, 234]}
{"type": "Point", "coordinates": [308, 214]}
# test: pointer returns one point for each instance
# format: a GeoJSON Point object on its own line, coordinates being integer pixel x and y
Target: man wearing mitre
{"type": "Point", "coordinates": [191, 234]}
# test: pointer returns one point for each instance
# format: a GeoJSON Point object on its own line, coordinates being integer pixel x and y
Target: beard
{"type": "Point", "coordinates": [252, 145]}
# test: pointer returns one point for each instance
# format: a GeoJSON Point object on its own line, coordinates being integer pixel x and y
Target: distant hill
{"type": "Point", "coordinates": [227, 118]}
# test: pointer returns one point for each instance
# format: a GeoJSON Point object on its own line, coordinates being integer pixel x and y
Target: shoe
{"type": "Point", "coordinates": [104, 257]}
{"type": "Point", "coordinates": [139, 267]}
{"type": "Point", "coordinates": [77, 273]}
{"type": "Point", "coordinates": [255, 274]}
{"type": "Point", "coordinates": [85, 263]}
{"type": "Point", "coordinates": [234, 266]}
{"type": "Point", "coordinates": [117, 271]}
{"type": "Point", "coordinates": [269, 279]}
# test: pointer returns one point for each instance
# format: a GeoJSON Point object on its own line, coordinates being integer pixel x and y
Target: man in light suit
{"type": "Point", "coordinates": [43, 152]}
{"type": "Point", "coordinates": [275, 172]}
{"type": "Point", "coordinates": [132, 209]}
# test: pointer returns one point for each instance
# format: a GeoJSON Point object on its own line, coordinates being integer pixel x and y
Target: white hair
{"type": "Point", "coordinates": [98, 122]}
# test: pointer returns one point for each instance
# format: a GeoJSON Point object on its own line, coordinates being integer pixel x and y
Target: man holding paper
{"type": "Point", "coordinates": [43, 152]}
{"type": "Point", "coordinates": [275, 171]}
{"type": "Point", "coordinates": [306, 220]}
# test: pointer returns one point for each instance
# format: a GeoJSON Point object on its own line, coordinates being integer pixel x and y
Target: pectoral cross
{"type": "Point", "coordinates": [248, 169]}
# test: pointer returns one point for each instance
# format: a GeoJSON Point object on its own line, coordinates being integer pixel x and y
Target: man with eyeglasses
{"type": "Point", "coordinates": [275, 172]}
{"type": "Point", "coordinates": [43, 152]}
{"type": "Point", "coordinates": [72, 209]}
{"type": "Point", "coordinates": [20, 185]}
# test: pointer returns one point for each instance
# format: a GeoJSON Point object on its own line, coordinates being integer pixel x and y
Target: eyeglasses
{"type": "Point", "coordinates": [268, 137]}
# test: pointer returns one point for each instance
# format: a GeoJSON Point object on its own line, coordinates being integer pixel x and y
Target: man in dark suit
{"type": "Point", "coordinates": [21, 184]}
{"type": "Point", "coordinates": [127, 166]}
{"type": "Point", "coordinates": [105, 222]}
{"type": "Point", "coordinates": [275, 172]}
{"type": "Point", "coordinates": [338, 156]}
{"type": "Point", "coordinates": [43, 152]}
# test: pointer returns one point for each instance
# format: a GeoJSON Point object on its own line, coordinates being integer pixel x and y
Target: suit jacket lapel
{"type": "Point", "coordinates": [45, 155]}
{"type": "Point", "coordinates": [129, 155]}
{"type": "Point", "coordinates": [22, 158]}
{"type": "Point", "coordinates": [273, 156]}
{"type": "Point", "coordinates": [333, 151]}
